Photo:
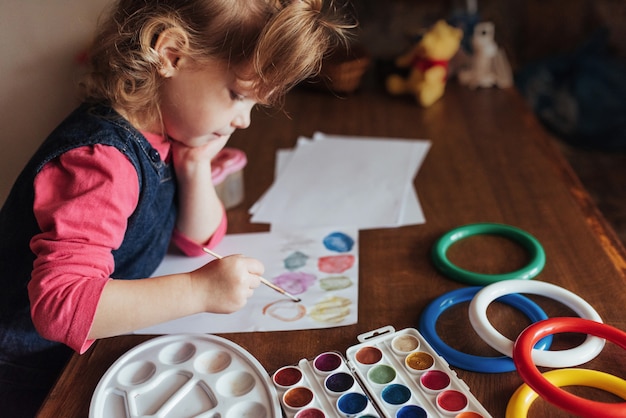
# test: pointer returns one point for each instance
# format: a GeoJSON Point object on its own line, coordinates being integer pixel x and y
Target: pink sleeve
{"type": "Point", "coordinates": [194, 249]}
{"type": "Point", "coordinates": [82, 202]}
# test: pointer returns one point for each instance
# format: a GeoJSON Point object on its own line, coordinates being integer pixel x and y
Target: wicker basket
{"type": "Point", "coordinates": [342, 71]}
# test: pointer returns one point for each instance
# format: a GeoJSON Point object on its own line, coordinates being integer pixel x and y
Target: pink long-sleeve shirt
{"type": "Point", "coordinates": [83, 200]}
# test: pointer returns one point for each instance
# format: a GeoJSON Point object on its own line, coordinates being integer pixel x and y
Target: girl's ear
{"type": "Point", "coordinates": [170, 46]}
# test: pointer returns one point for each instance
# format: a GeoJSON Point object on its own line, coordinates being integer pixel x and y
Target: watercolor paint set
{"type": "Point", "coordinates": [186, 375]}
{"type": "Point", "coordinates": [389, 374]}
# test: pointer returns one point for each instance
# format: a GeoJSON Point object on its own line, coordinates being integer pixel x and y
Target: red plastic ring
{"type": "Point", "coordinates": [553, 394]}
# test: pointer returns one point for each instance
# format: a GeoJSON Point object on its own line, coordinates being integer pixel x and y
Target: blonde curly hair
{"type": "Point", "coordinates": [283, 41]}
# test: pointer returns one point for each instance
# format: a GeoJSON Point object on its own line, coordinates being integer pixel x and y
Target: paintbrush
{"type": "Point", "coordinates": [263, 280]}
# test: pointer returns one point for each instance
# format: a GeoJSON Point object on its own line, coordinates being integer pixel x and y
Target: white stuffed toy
{"type": "Point", "coordinates": [487, 65]}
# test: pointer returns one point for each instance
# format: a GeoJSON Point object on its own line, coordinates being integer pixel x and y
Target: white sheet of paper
{"type": "Point", "coordinates": [329, 296]}
{"type": "Point", "coordinates": [412, 213]}
{"type": "Point", "coordinates": [336, 180]}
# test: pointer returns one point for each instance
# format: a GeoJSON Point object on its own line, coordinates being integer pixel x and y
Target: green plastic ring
{"type": "Point", "coordinates": [530, 244]}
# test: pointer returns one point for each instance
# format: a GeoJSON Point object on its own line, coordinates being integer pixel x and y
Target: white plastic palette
{"type": "Point", "coordinates": [186, 375]}
{"type": "Point", "coordinates": [403, 376]}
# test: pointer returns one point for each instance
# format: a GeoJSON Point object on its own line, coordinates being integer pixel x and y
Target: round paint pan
{"type": "Point", "coordinates": [287, 376]}
{"type": "Point", "coordinates": [326, 363]}
{"type": "Point", "coordinates": [418, 362]}
{"type": "Point", "coordinates": [405, 343]}
{"type": "Point", "coordinates": [186, 374]}
{"type": "Point", "coordinates": [452, 402]}
{"type": "Point", "coordinates": [298, 397]}
{"type": "Point", "coordinates": [311, 413]}
{"type": "Point", "coordinates": [338, 383]}
{"type": "Point", "coordinates": [434, 381]}
{"type": "Point", "coordinates": [368, 356]}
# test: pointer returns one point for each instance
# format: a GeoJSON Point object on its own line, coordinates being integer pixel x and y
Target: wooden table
{"type": "Point", "coordinates": [490, 161]}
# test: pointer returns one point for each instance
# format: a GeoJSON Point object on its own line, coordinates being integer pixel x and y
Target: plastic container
{"type": "Point", "coordinates": [227, 175]}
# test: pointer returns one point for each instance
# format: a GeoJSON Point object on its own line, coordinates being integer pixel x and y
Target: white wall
{"type": "Point", "coordinates": [39, 41]}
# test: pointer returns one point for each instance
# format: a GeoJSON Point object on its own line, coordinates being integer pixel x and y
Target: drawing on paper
{"type": "Point", "coordinates": [335, 263]}
{"type": "Point", "coordinates": [331, 309]}
{"type": "Point", "coordinates": [295, 282]}
{"type": "Point", "coordinates": [335, 283]}
{"type": "Point", "coordinates": [320, 265]}
{"type": "Point", "coordinates": [295, 260]}
{"type": "Point", "coordinates": [339, 242]}
{"type": "Point", "coordinates": [285, 310]}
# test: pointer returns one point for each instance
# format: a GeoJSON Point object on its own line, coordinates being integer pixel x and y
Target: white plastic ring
{"type": "Point", "coordinates": [588, 350]}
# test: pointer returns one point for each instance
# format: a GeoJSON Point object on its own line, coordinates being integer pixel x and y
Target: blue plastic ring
{"type": "Point", "coordinates": [502, 364]}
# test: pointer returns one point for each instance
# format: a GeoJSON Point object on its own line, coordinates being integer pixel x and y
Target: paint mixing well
{"type": "Point", "coordinates": [196, 375]}
{"type": "Point", "coordinates": [227, 175]}
{"type": "Point", "coordinates": [398, 372]}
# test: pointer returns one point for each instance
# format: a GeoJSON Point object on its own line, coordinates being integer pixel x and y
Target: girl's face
{"type": "Point", "coordinates": [203, 104]}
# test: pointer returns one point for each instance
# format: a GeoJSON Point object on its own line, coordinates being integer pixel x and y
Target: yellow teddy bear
{"type": "Point", "coordinates": [428, 60]}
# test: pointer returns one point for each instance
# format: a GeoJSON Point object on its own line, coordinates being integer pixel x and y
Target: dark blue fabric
{"type": "Point", "coordinates": [28, 362]}
{"type": "Point", "coordinates": [580, 96]}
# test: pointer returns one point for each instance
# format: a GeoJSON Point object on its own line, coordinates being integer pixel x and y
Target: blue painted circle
{"type": "Point", "coordinates": [339, 242]}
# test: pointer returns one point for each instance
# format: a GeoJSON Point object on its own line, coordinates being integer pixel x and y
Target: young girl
{"type": "Point", "coordinates": [130, 170]}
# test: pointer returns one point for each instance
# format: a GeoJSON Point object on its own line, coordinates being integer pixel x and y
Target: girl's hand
{"type": "Point", "coordinates": [199, 207]}
{"type": "Point", "coordinates": [190, 161]}
{"type": "Point", "coordinates": [225, 285]}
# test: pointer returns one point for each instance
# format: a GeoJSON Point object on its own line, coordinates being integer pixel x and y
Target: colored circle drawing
{"type": "Point", "coordinates": [294, 282]}
{"type": "Point", "coordinates": [333, 283]}
{"type": "Point", "coordinates": [338, 242]}
{"type": "Point", "coordinates": [331, 310]}
{"type": "Point", "coordinates": [285, 310]}
{"type": "Point", "coordinates": [335, 263]}
{"type": "Point", "coordinates": [295, 260]}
